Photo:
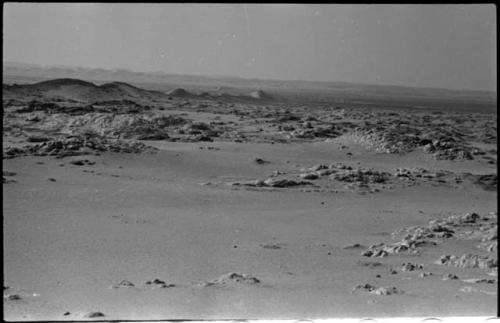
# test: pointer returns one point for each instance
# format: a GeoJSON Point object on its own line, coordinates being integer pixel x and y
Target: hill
{"type": "Point", "coordinates": [74, 89]}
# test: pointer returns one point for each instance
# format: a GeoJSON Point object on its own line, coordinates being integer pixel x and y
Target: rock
{"type": "Point", "coordinates": [260, 161]}
{"type": "Point", "coordinates": [282, 183]}
{"type": "Point", "coordinates": [273, 246]}
{"type": "Point", "coordinates": [94, 314]}
{"type": "Point", "coordinates": [489, 246]}
{"type": "Point", "coordinates": [159, 283]}
{"type": "Point", "coordinates": [123, 283]}
{"type": "Point", "coordinates": [491, 234]}
{"type": "Point", "coordinates": [309, 176]}
{"type": "Point", "coordinates": [470, 218]}
{"type": "Point", "coordinates": [429, 148]}
{"type": "Point", "coordinates": [386, 291]}
{"type": "Point", "coordinates": [367, 253]}
{"type": "Point", "coordinates": [360, 176]}
{"type": "Point", "coordinates": [252, 183]}
{"type": "Point", "coordinates": [468, 261]}
{"type": "Point", "coordinates": [14, 297]}
{"type": "Point", "coordinates": [370, 264]}
{"type": "Point", "coordinates": [378, 291]}
{"type": "Point", "coordinates": [233, 277]}
{"type": "Point", "coordinates": [353, 246]}
{"type": "Point", "coordinates": [81, 162]}
{"type": "Point", "coordinates": [365, 287]}
{"type": "Point", "coordinates": [479, 280]}
{"type": "Point", "coordinates": [407, 266]}
{"type": "Point", "coordinates": [318, 167]}
{"type": "Point", "coordinates": [450, 277]}
{"type": "Point", "coordinates": [77, 145]}
{"type": "Point", "coordinates": [37, 139]}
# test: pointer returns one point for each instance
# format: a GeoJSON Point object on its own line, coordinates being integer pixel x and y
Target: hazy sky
{"type": "Point", "coordinates": [450, 46]}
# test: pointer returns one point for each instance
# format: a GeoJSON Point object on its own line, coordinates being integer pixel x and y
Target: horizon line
{"type": "Point", "coordinates": [220, 76]}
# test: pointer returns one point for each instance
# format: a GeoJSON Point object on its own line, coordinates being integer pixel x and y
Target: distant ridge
{"type": "Point", "coordinates": [179, 92]}
{"type": "Point", "coordinates": [80, 90]}
{"type": "Point", "coordinates": [123, 75]}
{"type": "Point", "coordinates": [51, 84]}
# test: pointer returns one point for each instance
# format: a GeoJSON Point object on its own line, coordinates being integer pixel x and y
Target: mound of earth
{"type": "Point", "coordinates": [179, 92]}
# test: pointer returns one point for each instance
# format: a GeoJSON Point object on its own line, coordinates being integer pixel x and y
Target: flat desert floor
{"type": "Point", "coordinates": [252, 227]}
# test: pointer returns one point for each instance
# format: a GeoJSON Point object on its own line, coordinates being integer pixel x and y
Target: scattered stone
{"type": "Point", "coordinates": [78, 145]}
{"type": "Point", "coordinates": [468, 261]}
{"type": "Point", "coordinates": [360, 175]}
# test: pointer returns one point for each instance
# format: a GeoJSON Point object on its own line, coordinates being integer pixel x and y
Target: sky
{"type": "Point", "coordinates": [446, 46]}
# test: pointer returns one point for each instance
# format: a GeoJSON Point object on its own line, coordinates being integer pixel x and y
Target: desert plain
{"type": "Point", "coordinates": [133, 202]}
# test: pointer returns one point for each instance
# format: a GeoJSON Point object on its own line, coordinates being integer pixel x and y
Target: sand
{"type": "Point", "coordinates": [169, 235]}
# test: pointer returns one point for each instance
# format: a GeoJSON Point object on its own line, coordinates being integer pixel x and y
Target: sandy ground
{"type": "Point", "coordinates": [72, 232]}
